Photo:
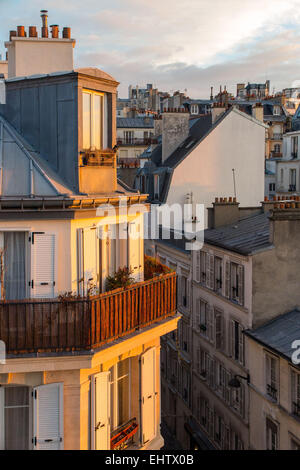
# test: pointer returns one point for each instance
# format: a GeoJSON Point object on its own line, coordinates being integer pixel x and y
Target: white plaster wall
{"type": "Point", "coordinates": [237, 142]}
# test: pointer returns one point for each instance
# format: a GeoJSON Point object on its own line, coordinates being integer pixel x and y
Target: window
{"type": "Point", "coordinates": [237, 342]}
{"type": "Point", "coordinates": [272, 187]}
{"type": "Point", "coordinates": [201, 267]}
{"type": "Point", "coordinates": [202, 317]}
{"type": "Point", "coordinates": [184, 292]}
{"type": "Point", "coordinates": [276, 110]}
{"type": "Point", "coordinates": [294, 147]}
{"type": "Point", "coordinates": [194, 109]}
{"type": "Point", "coordinates": [16, 406]}
{"type": "Point", "coordinates": [120, 393]}
{"type": "Point", "coordinates": [13, 263]}
{"type": "Point", "coordinates": [272, 435]}
{"type": "Point", "coordinates": [295, 445]}
{"type": "Point", "coordinates": [293, 183]}
{"type": "Point", "coordinates": [238, 400]}
{"type": "Point", "coordinates": [128, 137]}
{"type": "Point", "coordinates": [295, 385]}
{"type": "Point", "coordinates": [184, 336]}
{"type": "Point", "coordinates": [236, 442]}
{"type": "Point", "coordinates": [234, 288]}
{"type": "Point", "coordinates": [185, 384]}
{"type": "Point", "coordinates": [281, 175]}
{"type": "Point", "coordinates": [94, 125]}
{"type": "Point", "coordinates": [219, 430]}
{"type": "Point", "coordinates": [205, 413]}
{"type": "Point", "coordinates": [218, 281]}
{"type": "Point", "coordinates": [272, 377]}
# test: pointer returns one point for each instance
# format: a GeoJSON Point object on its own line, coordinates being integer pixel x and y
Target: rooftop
{"type": "Point", "coordinates": [279, 334]}
{"type": "Point", "coordinates": [245, 236]}
{"type": "Point", "coordinates": [137, 122]}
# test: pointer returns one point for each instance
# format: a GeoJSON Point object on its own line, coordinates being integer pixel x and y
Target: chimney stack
{"type": "Point", "coordinates": [175, 129]}
{"type": "Point", "coordinates": [21, 31]}
{"type": "Point", "coordinates": [217, 110]}
{"type": "Point", "coordinates": [44, 16]}
{"type": "Point", "coordinates": [258, 111]}
{"type": "Point", "coordinates": [225, 211]}
{"type": "Point", "coordinates": [211, 93]}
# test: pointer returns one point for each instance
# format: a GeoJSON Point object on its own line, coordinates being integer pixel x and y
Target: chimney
{"type": "Point", "coordinates": [258, 111]}
{"type": "Point", "coordinates": [32, 32]}
{"type": "Point", "coordinates": [217, 110]}
{"type": "Point", "coordinates": [67, 33]}
{"type": "Point", "coordinates": [21, 31]}
{"type": "Point", "coordinates": [44, 16]}
{"type": "Point", "coordinates": [211, 93]}
{"type": "Point", "coordinates": [225, 211]}
{"type": "Point", "coordinates": [175, 129]}
{"type": "Point", "coordinates": [54, 31]}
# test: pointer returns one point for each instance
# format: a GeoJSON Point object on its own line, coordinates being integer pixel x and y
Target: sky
{"type": "Point", "coordinates": [175, 44]}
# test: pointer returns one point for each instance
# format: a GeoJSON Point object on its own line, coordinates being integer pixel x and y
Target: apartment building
{"type": "Point", "coordinates": [275, 384]}
{"type": "Point", "coordinates": [134, 135]}
{"type": "Point", "coordinates": [82, 367]}
{"type": "Point", "coordinates": [213, 154]}
{"type": "Point", "coordinates": [245, 276]}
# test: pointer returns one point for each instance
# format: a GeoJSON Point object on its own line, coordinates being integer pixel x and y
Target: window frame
{"type": "Point", "coordinates": [103, 131]}
{"type": "Point", "coordinates": [115, 378]}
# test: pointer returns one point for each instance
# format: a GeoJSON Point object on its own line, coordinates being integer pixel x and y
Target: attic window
{"type": "Point", "coordinates": [94, 125]}
{"type": "Point", "coordinates": [156, 186]}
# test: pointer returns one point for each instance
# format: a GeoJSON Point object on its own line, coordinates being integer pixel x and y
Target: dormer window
{"type": "Point", "coordinates": [94, 126]}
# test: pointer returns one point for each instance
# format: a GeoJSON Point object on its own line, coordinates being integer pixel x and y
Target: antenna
{"type": "Point", "coordinates": [234, 185]}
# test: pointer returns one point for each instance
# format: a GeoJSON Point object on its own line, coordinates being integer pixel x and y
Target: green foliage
{"type": "Point", "coordinates": [154, 268]}
{"type": "Point", "coordinates": [120, 279]}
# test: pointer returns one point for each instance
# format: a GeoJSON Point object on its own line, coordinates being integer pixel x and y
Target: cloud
{"type": "Point", "coordinates": [179, 44]}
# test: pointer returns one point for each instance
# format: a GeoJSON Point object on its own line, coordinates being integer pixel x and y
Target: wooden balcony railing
{"type": "Point", "coordinates": [41, 326]}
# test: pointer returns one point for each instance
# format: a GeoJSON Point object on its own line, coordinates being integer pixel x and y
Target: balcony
{"type": "Point", "coordinates": [275, 154]}
{"type": "Point", "coordinates": [48, 326]}
{"type": "Point", "coordinates": [105, 157]}
{"type": "Point", "coordinates": [134, 141]}
{"type": "Point", "coordinates": [276, 136]}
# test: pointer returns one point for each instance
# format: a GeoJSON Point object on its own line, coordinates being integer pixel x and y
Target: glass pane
{"type": "Point", "coordinates": [123, 367]}
{"type": "Point", "coordinates": [16, 428]}
{"type": "Point", "coordinates": [86, 127]}
{"type": "Point", "coordinates": [14, 265]}
{"type": "Point", "coordinates": [16, 396]}
{"type": "Point", "coordinates": [123, 398]}
{"type": "Point", "coordinates": [97, 121]}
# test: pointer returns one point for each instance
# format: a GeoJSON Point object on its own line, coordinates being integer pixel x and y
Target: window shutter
{"type": "Point", "coordinates": [212, 272]}
{"type": "Point", "coordinates": [211, 418]}
{"type": "Point", "coordinates": [134, 250]}
{"type": "Point", "coordinates": [210, 315]}
{"type": "Point", "coordinates": [231, 338]}
{"type": "Point", "coordinates": [198, 316]}
{"type": "Point", "coordinates": [198, 360]}
{"type": "Point", "coordinates": [43, 265]}
{"type": "Point", "coordinates": [227, 388]}
{"type": "Point", "coordinates": [100, 407]}
{"type": "Point", "coordinates": [242, 400]}
{"type": "Point", "coordinates": [241, 344]}
{"type": "Point", "coordinates": [48, 417]}
{"type": "Point", "coordinates": [90, 260]}
{"type": "Point", "coordinates": [198, 267]}
{"type": "Point", "coordinates": [222, 430]}
{"type": "Point", "coordinates": [241, 284]}
{"type": "Point", "coordinates": [227, 279]}
{"type": "Point", "coordinates": [2, 441]}
{"type": "Point", "coordinates": [148, 395]}
{"type": "Point", "coordinates": [207, 266]}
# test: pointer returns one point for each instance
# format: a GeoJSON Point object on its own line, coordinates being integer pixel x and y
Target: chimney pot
{"type": "Point", "coordinates": [266, 198]}
{"type": "Point", "coordinates": [54, 31]}
{"type": "Point", "coordinates": [67, 33]}
{"type": "Point", "coordinates": [12, 34]}
{"type": "Point", "coordinates": [230, 199]}
{"type": "Point", "coordinates": [32, 32]}
{"type": "Point", "coordinates": [216, 199]}
{"type": "Point", "coordinates": [44, 16]}
{"type": "Point", "coordinates": [21, 31]}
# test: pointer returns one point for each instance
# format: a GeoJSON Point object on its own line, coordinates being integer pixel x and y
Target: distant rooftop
{"type": "Point", "coordinates": [138, 122]}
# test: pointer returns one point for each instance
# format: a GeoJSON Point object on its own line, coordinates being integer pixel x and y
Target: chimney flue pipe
{"type": "Point", "coordinates": [44, 16]}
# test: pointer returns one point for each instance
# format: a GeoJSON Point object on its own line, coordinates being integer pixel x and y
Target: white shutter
{"type": "Point", "coordinates": [43, 265]}
{"type": "Point", "coordinates": [148, 395]}
{"type": "Point", "coordinates": [90, 260]}
{"type": "Point", "coordinates": [241, 344]}
{"type": "Point", "coordinates": [2, 437]}
{"type": "Point", "coordinates": [100, 406]}
{"type": "Point", "coordinates": [134, 250]}
{"type": "Point", "coordinates": [212, 272]}
{"type": "Point", "coordinates": [48, 417]}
